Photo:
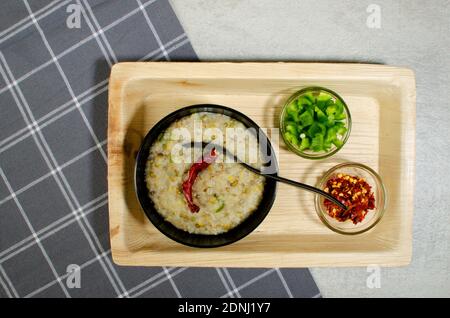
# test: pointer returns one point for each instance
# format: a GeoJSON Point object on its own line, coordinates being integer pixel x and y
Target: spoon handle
{"type": "Point", "coordinates": [296, 184]}
{"type": "Point", "coordinates": [304, 186]}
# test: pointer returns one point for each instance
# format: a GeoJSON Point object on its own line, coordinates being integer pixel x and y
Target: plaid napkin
{"type": "Point", "coordinates": [55, 58]}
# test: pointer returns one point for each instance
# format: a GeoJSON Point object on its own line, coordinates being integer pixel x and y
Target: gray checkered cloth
{"type": "Point", "coordinates": [53, 188]}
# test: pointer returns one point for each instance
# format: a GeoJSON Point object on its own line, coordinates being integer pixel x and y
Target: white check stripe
{"type": "Point", "coordinates": [316, 296]}
{"type": "Point", "coordinates": [27, 19]}
{"type": "Point", "coordinates": [5, 288]}
{"type": "Point", "coordinates": [152, 28]}
{"type": "Point", "coordinates": [27, 221]}
{"type": "Point", "coordinates": [174, 286]}
{"type": "Point", "coordinates": [173, 48]}
{"type": "Point", "coordinates": [59, 177]}
{"type": "Point", "coordinates": [17, 28]}
{"type": "Point", "coordinates": [91, 93]}
{"type": "Point", "coordinates": [64, 77]}
{"type": "Point", "coordinates": [45, 64]}
{"type": "Point", "coordinates": [99, 42]}
{"type": "Point", "coordinates": [49, 230]}
{"type": "Point", "coordinates": [224, 282]}
{"type": "Point", "coordinates": [138, 288]}
{"type": "Point", "coordinates": [75, 46]}
{"type": "Point", "coordinates": [48, 174]}
{"type": "Point", "coordinates": [84, 97]}
{"type": "Point", "coordinates": [88, 125]}
{"type": "Point", "coordinates": [98, 29]}
{"type": "Point", "coordinates": [7, 285]}
{"type": "Point", "coordinates": [251, 281]}
{"type": "Point", "coordinates": [58, 113]}
{"type": "Point", "coordinates": [235, 290]}
{"type": "Point", "coordinates": [67, 51]}
{"type": "Point", "coordinates": [60, 278]}
{"type": "Point", "coordinates": [108, 58]}
{"type": "Point", "coordinates": [283, 281]}
{"type": "Point", "coordinates": [162, 280]}
{"type": "Point", "coordinates": [145, 283]}
{"type": "Point", "coordinates": [126, 16]}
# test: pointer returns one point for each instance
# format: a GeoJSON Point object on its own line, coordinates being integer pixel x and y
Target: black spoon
{"type": "Point", "coordinates": [271, 176]}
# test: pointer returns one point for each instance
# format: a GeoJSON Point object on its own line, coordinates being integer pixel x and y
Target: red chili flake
{"type": "Point", "coordinates": [195, 169]}
{"type": "Point", "coordinates": [352, 191]}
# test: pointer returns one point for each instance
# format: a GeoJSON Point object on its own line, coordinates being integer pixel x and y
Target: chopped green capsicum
{"type": "Point", "coordinates": [315, 122]}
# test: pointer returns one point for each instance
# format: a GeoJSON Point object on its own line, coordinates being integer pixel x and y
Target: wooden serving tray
{"type": "Point", "coordinates": [382, 103]}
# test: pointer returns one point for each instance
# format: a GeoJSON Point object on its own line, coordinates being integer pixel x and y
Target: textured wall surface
{"type": "Point", "coordinates": [413, 34]}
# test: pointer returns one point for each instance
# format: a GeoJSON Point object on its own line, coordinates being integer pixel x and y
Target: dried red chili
{"type": "Point", "coordinates": [195, 169]}
{"type": "Point", "coordinates": [352, 191]}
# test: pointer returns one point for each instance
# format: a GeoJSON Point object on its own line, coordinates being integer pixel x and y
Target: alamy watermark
{"type": "Point", "coordinates": [373, 20]}
{"type": "Point", "coordinates": [73, 279]}
{"type": "Point", "coordinates": [374, 278]}
{"type": "Point", "coordinates": [73, 20]}
{"type": "Point", "coordinates": [232, 144]}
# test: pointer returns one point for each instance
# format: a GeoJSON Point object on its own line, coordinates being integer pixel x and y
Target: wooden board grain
{"type": "Point", "coordinates": [382, 103]}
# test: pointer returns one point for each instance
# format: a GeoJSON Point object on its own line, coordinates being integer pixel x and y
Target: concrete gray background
{"type": "Point", "coordinates": [413, 34]}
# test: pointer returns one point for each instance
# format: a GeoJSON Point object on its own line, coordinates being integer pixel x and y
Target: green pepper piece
{"type": "Point", "coordinates": [331, 109]}
{"type": "Point", "coordinates": [292, 116]}
{"type": "Point", "coordinates": [288, 136]}
{"type": "Point", "coordinates": [292, 107]}
{"type": "Point", "coordinates": [330, 121]}
{"type": "Point", "coordinates": [292, 111]}
{"type": "Point", "coordinates": [323, 129]}
{"type": "Point", "coordinates": [295, 140]}
{"type": "Point", "coordinates": [326, 145]}
{"type": "Point", "coordinates": [330, 135]}
{"type": "Point", "coordinates": [292, 139]}
{"type": "Point", "coordinates": [307, 99]}
{"type": "Point", "coordinates": [323, 100]}
{"type": "Point", "coordinates": [342, 130]}
{"type": "Point", "coordinates": [304, 144]}
{"type": "Point", "coordinates": [341, 116]}
{"type": "Point", "coordinates": [340, 107]}
{"type": "Point", "coordinates": [306, 118]}
{"type": "Point", "coordinates": [339, 124]}
{"type": "Point", "coordinates": [340, 112]}
{"type": "Point", "coordinates": [314, 130]}
{"type": "Point", "coordinates": [317, 143]}
{"type": "Point", "coordinates": [292, 128]}
{"type": "Point", "coordinates": [323, 97]}
{"type": "Point", "coordinates": [310, 109]}
{"type": "Point", "coordinates": [290, 122]}
{"type": "Point", "coordinates": [321, 117]}
{"type": "Point", "coordinates": [338, 143]}
{"type": "Point", "coordinates": [222, 205]}
{"type": "Point", "coordinates": [300, 106]}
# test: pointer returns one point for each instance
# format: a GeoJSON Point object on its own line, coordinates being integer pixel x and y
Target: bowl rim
{"type": "Point", "coordinates": [325, 154]}
{"type": "Point", "coordinates": [168, 229]}
{"type": "Point", "coordinates": [318, 206]}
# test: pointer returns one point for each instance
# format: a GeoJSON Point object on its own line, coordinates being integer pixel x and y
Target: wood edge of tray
{"type": "Point", "coordinates": [398, 259]}
{"type": "Point", "coordinates": [282, 69]}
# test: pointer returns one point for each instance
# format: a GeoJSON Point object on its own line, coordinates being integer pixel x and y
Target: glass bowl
{"type": "Point", "coordinates": [372, 217]}
{"type": "Point", "coordinates": [309, 154]}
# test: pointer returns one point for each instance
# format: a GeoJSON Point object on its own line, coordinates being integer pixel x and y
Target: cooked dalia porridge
{"type": "Point", "coordinates": [222, 194]}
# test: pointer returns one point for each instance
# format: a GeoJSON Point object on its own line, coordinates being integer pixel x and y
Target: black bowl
{"type": "Point", "coordinates": [181, 236]}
